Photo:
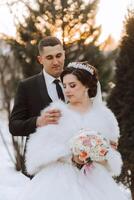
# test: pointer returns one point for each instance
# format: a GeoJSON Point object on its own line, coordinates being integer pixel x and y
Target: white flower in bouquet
{"type": "Point", "coordinates": [89, 146]}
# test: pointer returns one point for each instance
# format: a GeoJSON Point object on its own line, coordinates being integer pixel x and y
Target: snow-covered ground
{"type": "Point", "coordinates": [12, 182]}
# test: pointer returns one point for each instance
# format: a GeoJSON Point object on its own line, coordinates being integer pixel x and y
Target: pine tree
{"type": "Point", "coordinates": [121, 101]}
{"type": "Point", "coordinates": [73, 20]}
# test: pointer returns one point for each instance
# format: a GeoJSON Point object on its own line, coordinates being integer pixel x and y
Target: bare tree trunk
{"type": "Point", "coordinates": [7, 148]}
{"type": "Point", "coordinates": [6, 70]}
{"type": "Point", "coordinates": [18, 155]}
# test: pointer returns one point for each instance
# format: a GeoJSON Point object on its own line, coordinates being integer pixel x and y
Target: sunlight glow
{"type": "Point", "coordinates": [111, 16]}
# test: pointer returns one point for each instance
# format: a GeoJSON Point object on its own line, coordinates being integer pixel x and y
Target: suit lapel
{"type": "Point", "coordinates": [43, 90]}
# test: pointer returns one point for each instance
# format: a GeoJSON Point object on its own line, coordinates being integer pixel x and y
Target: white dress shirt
{"type": "Point", "coordinates": [51, 87]}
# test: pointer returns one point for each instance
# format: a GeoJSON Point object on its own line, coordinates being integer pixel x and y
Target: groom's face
{"type": "Point", "coordinates": [52, 58]}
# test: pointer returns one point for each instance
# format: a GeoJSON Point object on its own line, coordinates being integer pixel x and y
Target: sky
{"type": "Point", "coordinates": [110, 15]}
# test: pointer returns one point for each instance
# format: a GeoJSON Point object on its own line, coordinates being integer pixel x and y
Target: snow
{"type": "Point", "coordinates": [12, 183]}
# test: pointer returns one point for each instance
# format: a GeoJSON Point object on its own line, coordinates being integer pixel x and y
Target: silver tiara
{"type": "Point", "coordinates": [81, 66]}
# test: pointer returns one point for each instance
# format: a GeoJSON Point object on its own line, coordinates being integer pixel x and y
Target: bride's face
{"type": "Point", "coordinates": [74, 90]}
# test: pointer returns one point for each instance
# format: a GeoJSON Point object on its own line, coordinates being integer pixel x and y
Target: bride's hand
{"type": "Point", "coordinates": [114, 144]}
{"type": "Point", "coordinates": [103, 162]}
{"type": "Point", "coordinates": [77, 160]}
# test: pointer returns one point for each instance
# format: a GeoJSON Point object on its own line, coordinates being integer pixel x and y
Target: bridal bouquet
{"type": "Point", "coordinates": [89, 146]}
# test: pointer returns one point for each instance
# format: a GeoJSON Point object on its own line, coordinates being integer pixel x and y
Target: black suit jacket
{"type": "Point", "coordinates": [31, 98]}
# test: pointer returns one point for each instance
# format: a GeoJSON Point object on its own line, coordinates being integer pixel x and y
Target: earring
{"type": "Point", "coordinates": [86, 93]}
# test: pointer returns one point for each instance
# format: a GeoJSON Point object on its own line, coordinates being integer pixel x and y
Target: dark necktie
{"type": "Point", "coordinates": [59, 90]}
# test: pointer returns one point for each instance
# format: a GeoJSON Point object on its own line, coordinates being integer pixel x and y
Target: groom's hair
{"type": "Point", "coordinates": [48, 41]}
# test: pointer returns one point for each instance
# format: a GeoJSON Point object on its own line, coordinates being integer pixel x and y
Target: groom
{"type": "Point", "coordinates": [37, 92]}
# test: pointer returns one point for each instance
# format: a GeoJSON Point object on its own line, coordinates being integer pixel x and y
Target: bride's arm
{"type": "Point", "coordinates": [114, 160]}
{"type": "Point", "coordinates": [45, 146]}
{"type": "Point", "coordinates": [49, 143]}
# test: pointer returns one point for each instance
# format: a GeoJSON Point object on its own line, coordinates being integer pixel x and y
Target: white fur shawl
{"type": "Point", "coordinates": [51, 142]}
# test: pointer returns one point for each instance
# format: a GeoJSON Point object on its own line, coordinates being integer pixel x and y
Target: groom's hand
{"type": "Point", "coordinates": [48, 117]}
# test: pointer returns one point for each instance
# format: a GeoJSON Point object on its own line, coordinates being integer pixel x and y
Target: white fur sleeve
{"type": "Point", "coordinates": [114, 162]}
{"type": "Point", "coordinates": [48, 144]}
{"type": "Point", "coordinates": [113, 132]}
{"type": "Point", "coordinates": [113, 157]}
{"type": "Point", "coordinates": [45, 146]}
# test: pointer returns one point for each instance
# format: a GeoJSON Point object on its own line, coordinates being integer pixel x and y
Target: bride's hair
{"type": "Point", "coordinates": [82, 73]}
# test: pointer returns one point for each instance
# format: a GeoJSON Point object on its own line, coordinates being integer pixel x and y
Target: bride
{"type": "Point", "coordinates": [49, 157]}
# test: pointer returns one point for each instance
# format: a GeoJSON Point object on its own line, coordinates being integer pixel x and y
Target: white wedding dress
{"type": "Point", "coordinates": [49, 158]}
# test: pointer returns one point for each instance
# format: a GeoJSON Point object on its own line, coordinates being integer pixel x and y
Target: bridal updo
{"type": "Point", "coordinates": [85, 73]}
